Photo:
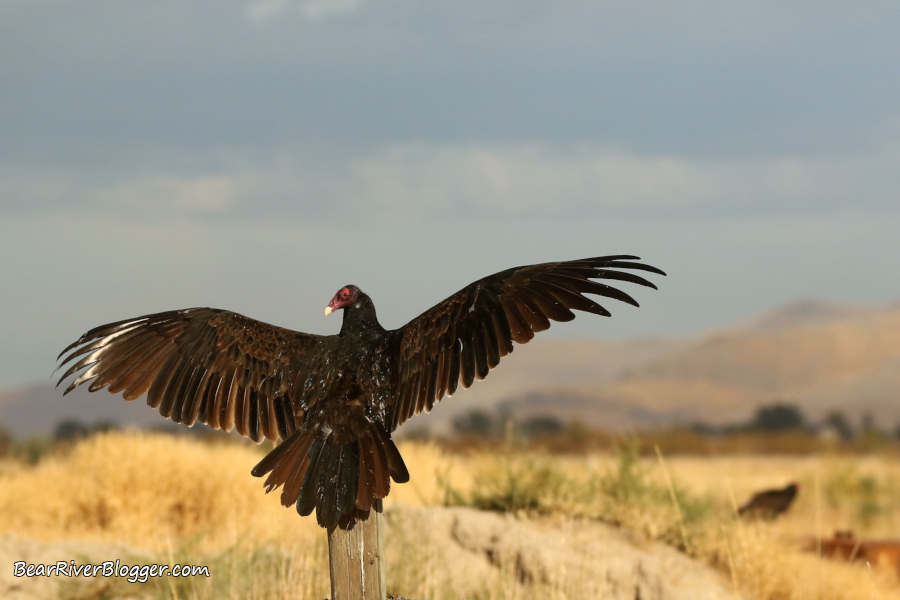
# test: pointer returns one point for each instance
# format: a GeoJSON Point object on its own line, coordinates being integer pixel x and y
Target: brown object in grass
{"type": "Point", "coordinates": [770, 503]}
{"type": "Point", "coordinates": [846, 547]}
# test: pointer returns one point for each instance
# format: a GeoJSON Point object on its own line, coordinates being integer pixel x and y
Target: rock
{"type": "Point", "coordinates": [463, 550]}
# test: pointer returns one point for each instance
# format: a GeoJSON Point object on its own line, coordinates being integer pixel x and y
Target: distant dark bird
{"type": "Point", "coordinates": [770, 503]}
{"type": "Point", "coordinates": [334, 400]}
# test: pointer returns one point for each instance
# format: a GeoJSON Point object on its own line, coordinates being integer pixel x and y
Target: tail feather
{"type": "Point", "coordinates": [338, 483]}
{"type": "Point", "coordinates": [380, 467]}
{"type": "Point", "coordinates": [293, 472]}
{"type": "Point", "coordinates": [348, 479]}
{"type": "Point", "coordinates": [366, 493]}
{"type": "Point", "coordinates": [341, 483]}
{"type": "Point", "coordinates": [307, 500]}
{"type": "Point", "coordinates": [397, 467]}
{"type": "Point", "coordinates": [271, 460]}
{"type": "Point", "coordinates": [287, 464]}
{"type": "Point", "coordinates": [327, 486]}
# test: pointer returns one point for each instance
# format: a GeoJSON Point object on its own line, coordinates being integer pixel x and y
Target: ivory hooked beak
{"type": "Point", "coordinates": [328, 310]}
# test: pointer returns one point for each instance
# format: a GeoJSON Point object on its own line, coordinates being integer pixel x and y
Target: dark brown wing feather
{"type": "Point", "coordinates": [465, 336]}
{"type": "Point", "coordinates": [200, 364]}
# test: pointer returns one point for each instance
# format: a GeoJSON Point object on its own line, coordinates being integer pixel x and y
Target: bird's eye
{"type": "Point", "coordinates": [345, 294]}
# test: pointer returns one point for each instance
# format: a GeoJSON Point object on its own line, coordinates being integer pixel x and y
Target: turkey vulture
{"type": "Point", "coordinates": [334, 400]}
{"type": "Point", "coordinates": [769, 503]}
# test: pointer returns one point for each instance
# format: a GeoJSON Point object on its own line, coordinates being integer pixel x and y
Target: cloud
{"type": "Point", "coordinates": [189, 195]}
{"type": "Point", "coordinates": [525, 178]}
{"type": "Point", "coordinates": [583, 179]}
{"type": "Point", "coordinates": [317, 10]}
{"type": "Point", "coordinates": [261, 11]}
{"type": "Point", "coordinates": [414, 181]}
{"type": "Point", "coordinates": [264, 10]}
{"type": "Point", "coordinates": [58, 191]}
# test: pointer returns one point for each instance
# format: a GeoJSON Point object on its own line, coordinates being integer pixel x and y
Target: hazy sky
{"type": "Point", "coordinates": [257, 155]}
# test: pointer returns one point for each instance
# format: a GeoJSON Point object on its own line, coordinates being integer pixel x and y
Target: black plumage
{"type": "Point", "coordinates": [334, 400]}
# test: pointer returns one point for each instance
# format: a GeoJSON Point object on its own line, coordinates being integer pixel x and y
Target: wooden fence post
{"type": "Point", "coordinates": [356, 557]}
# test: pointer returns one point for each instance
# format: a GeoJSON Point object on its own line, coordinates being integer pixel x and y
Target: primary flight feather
{"type": "Point", "coordinates": [334, 401]}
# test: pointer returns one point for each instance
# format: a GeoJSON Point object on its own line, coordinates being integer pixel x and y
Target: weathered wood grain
{"type": "Point", "coordinates": [356, 557]}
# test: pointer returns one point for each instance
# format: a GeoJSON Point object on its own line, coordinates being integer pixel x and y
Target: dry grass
{"type": "Point", "coordinates": [765, 560]}
{"type": "Point", "coordinates": [151, 491]}
{"type": "Point", "coordinates": [185, 501]}
{"type": "Point", "coordinates": [195, 502]}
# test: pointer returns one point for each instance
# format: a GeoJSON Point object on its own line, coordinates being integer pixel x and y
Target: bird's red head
{"type": "Point", "coordinates": [346, 296]}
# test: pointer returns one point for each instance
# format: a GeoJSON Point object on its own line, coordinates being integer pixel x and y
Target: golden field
{"type": "Point", "coordinates": [180, 500]}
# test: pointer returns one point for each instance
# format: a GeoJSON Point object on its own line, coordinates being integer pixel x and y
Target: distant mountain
{"type": "Point", "coordinates": [38, 409]}
{"type": "Point", "coordinates": [819, 356]}
{"type": "Point", "coordinates": [807, 312]}
{"type": "Point", "coordinates": [555, 369]}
